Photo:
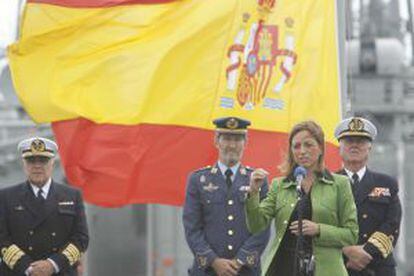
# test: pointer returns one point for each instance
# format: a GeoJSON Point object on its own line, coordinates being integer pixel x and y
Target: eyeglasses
{"type": "Point", "coordinates": [37, 159]}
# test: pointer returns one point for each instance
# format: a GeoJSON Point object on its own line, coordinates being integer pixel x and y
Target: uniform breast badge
{"type": "Point", "coordinates": [210, 187]}
{"type": "Point", "coordinates": [379, 191]}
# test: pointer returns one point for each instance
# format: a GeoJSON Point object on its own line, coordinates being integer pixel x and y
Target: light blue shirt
{"type": "Point", "coordinates": [223, 168]}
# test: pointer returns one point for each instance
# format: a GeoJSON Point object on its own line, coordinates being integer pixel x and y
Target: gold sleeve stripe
{"type": "Point", "coordinates": [15, 258]}
{"type": "Point", "coordinates": [382, 242]}
{"type": "Point", "coordinates": [11, 251]}
{"type": "Point", "coordinates": [74, 250]}
{"type": "Point", "coordinates": [72, 253]}
{"type": "Point", "coordinates": [12, 255]}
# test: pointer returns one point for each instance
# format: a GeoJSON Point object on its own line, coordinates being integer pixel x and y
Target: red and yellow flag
{"type": "Point", "coordinates": [132, 86]}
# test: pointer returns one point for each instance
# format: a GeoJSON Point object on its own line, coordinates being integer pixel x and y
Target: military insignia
{"type": "Point", "coordinates": [72, 253]}
{"type": "Point", "coordinates": [19, 208]}
{"type": "Point", "coordinates": [213, 170]}
{"type": "Point", "coordinates": [210, 187]}
{"type": "Point", "coordinates": [379, 191]}
{"type": "Point", "coordinates": [203, 178]}
{"type": "Point", "coordinates": [256, 55]}
{"type": "Point", "coordinates": [62, 203]}
{"type": "Point", "coordinates": [382, 242]}
{"type": "Point", "coordinates": [250, 260]}
{"type": "Point", "coordinates": [356, 124]}
{"type": "Point", "coordinates": [232, 123]}
{"type": "Point", "coordinates": [37, 146]}
{"type": "Point", "coordinates": [202, 261]}
{"type": "Point", "coordinates": [11, 255]}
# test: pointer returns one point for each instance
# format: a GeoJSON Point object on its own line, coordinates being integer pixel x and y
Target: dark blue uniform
{"type": "Point", "coordinates": [379, 217]}
{"type": "Point", "coordinates": [215, 223]}
{"type": "Point", "coordinates": [31, 230]}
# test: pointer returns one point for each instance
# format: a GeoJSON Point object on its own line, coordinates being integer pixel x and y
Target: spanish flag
{"type": "Point", "coordinates": [131, 86]}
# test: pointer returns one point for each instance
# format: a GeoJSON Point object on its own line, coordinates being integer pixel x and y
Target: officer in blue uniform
{"type": "Point", "coordinates": [377, 201]}
{"type": "Point", "coordinates": [43, 227]}
{"type": "Point", "coordinates": [214, 218]}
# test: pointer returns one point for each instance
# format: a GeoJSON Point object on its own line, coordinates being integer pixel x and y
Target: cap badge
{"type": "Point", "coordinates": [356, 124]}
{"type": "Point", "coordinates": [232, 123]}
{"type": "Point", "coordinates": [37, 146]}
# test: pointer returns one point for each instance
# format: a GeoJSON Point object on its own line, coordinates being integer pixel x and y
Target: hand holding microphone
{"type": "Point", "coordinates": [257, 179]}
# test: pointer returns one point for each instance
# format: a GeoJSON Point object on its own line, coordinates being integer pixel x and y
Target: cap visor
{"type": "Point", "coordinates": [45, 154]}
{"type": "Point", "coordinates": [231, 131]}
{"type": "Point", "coordinates": [354, 134]}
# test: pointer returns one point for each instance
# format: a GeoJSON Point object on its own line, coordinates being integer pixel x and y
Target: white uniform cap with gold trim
{"type": "Point", "coordinates": [37, 146]}
{"type": "Point", "coordinates": [356, 126]}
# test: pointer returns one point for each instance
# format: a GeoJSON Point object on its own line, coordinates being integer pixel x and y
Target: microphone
{"type": "Point", "coordinates": [299, 173]}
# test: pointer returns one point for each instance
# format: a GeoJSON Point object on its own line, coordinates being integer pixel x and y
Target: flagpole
{"type": "Point", "coordinates": [150, 240]}
{"type": "Point", "coordinates": [342, 65]}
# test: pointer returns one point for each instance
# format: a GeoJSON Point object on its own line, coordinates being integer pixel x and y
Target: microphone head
{"type": "Point", "coordinates": [299, 171]}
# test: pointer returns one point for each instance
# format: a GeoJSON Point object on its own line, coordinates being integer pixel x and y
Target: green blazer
{"type": "Point", "coordinates": [333, 208]}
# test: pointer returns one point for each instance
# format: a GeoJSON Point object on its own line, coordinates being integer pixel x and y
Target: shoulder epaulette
{"type": "Point", "coordinates": [203, 168]}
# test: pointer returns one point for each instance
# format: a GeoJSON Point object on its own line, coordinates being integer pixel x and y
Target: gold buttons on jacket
{"type": "Point", "coordinates": [364, 216]}
{"type": "Point", "coordinates": [31, 232]}
{"type": "Point", "coordinates": [230, 232]}
{"type": "Point", "coordinates": [230, 217]}
{"type": "Point", "coordinates": [53, 234]}
{"type": "Point", "coordinates": [230, 202]}
{"type": "Point", "coordinates": [30, 248]}
{"type": "Point", "coordinates": [230, 247]}
{"type": "Point", "coordinates": [365, 236]}
{"type": "Point", "coordinates": [285, 222]}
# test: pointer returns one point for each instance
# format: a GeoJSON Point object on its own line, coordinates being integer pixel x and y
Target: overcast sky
{"type": "Point", "coordinates": [8, 21]}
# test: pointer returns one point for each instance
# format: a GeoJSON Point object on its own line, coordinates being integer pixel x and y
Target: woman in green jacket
{"type": "Point", "coordinates": [328, 208]}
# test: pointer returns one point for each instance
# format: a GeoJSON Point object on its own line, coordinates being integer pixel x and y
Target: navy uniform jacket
{"type": "Point", "coordinates": [31, 230]}
{"type": "Point", "coordinates": [215, 222]}
{"type": "Point", "coordinates": [379, 217]}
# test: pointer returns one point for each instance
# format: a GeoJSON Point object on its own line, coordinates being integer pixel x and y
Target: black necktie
{"type": "Point", "coordinates": [355, 179]}
{"type": "Point", "coordinates": [228, 174]}
{"type": "Point", "coordinates": [40, 197]}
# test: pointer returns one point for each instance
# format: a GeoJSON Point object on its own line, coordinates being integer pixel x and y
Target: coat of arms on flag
{"type": "Point", "coordinates": [256, 56]}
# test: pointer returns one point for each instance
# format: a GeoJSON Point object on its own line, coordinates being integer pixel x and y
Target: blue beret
{"type": "Point", "coordinates": [232, 125]}
{"type": "Point", "coordinates": [37, 146]}
{"type": "Point", "coordinates": [356, 126]}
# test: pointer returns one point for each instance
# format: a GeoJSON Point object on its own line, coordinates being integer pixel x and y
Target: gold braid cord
{"type": "Point", "coordinates": [11, 255]}
{"type": "Point", "coordinates": [382, 242]}
{"type": "Point", "coordinates": [72, 253]}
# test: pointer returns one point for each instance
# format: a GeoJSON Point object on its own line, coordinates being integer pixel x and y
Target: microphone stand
{"type": "Point", "coordinates": [305, 265]}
